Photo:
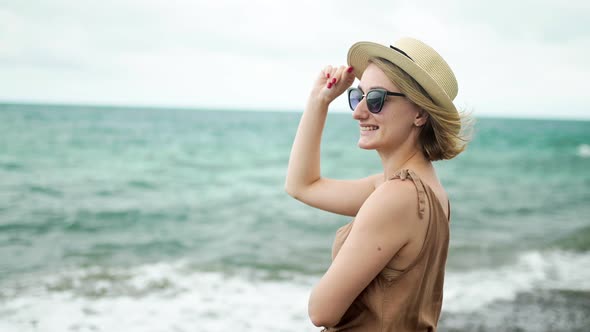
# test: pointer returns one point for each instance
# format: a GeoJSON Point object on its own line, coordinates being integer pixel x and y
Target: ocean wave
{"type": "Point", "coordinates": [545, 270]}
{"type": "Point", "coordinates": [45, 190]}
{"type": "Point", "coordinates": [158, 297]}
{"type": "Point", "coordinates": [584, 150]}
{"type": "Point", "coordinates": [578, 240]}
{"type": "Point", "coordinates": [536, 311]}
{"type": "Point", "coordinates": [11, 166]}
{"type": "Point", "coordinates": [176, 297]}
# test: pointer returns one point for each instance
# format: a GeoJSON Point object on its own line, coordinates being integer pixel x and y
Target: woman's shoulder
{"type": "Point", "coordinates": [396, 186]}
{"type": "Point", "coordinates": [390, 209]}
{"type": "Point", "coordinates": [393, 197]}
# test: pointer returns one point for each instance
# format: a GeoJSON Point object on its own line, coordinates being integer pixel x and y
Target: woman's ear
{"type": "Point", "coordinates": [421, 118]}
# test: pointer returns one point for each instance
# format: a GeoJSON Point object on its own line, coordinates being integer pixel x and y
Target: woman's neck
{"type": "Point", "coordinates": [402, 158]}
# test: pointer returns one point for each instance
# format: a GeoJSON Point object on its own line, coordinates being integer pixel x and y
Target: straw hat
{"type": "Point", "coordinates": [417, 59]}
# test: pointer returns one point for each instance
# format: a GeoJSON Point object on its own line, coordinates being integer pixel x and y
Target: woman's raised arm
{"type": "Point", "coordinates": [304, 181]}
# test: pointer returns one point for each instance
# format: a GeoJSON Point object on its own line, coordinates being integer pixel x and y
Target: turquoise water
{"type": "Point", "coordinates": [109, 210]}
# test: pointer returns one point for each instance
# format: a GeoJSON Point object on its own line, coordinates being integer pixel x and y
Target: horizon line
{"type": "Point", "coordinates": [260, 109]}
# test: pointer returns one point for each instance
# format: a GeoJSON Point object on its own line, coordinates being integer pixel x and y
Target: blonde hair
{"type": "Point", "coordinates": [446, 133]}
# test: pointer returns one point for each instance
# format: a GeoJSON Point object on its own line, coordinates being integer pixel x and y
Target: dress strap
{"type": "Point", "coordinates": [404, 174]}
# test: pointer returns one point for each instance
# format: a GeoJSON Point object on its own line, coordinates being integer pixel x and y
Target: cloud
{"type": "Point", "coordinates": [511, 58]}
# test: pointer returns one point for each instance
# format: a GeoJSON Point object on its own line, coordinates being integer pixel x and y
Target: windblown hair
{"type": "Point", "coordinates": [446, 133]}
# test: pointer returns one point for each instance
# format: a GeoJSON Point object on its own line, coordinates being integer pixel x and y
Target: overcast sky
{"type": "Point", "coordinates": [511, 58]}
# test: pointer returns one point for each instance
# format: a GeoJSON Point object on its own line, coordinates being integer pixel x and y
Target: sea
{"type": "Point", "coordinates": [144, 219]}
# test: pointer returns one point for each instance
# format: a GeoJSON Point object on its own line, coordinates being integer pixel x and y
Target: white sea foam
{"type": "Point", "coordinates": [584, 150]}
{"type": "Point", "coordinates": [470, 291]}
{"type": "Point", "coordinates": [172, 297]}
{"type": "Point", "coordinates": [161, 297]}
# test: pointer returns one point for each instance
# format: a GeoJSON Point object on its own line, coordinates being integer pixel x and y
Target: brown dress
{"type": "Point", "coordinates": [408, 300]}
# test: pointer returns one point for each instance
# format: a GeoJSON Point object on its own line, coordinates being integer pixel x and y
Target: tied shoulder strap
{"type": "Point", "coordinates": [404, 174]}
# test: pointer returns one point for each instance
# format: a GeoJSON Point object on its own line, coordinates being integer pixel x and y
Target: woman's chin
{"type": "Point", "coordinates": [363, 144]}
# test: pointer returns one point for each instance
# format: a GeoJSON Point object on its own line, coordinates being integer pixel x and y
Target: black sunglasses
{"type": "Point", "coordinates": [375, 98]}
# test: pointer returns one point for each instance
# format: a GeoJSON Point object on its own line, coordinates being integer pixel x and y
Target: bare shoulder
{"type": "Point", "coordinates": [394, 202]}
{"type": "Point", "coordinates": [396, 192]}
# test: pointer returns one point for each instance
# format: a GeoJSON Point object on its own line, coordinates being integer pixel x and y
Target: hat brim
{"type": "Point", "coordinates": [360, 53]}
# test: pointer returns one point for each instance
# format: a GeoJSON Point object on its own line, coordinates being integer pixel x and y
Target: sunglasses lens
{"type": "Point", "coordinates": [354, 98]}
{"type": "Point", "coordinates": [375, 101]}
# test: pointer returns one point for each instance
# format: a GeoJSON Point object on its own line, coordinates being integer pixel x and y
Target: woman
{"type": "Point", "coordinates": [388, 264]}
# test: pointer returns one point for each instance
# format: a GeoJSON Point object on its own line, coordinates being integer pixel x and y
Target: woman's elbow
{"type": "Point", "coordinates": [290, 190]}
{"type": "Point", "coordinates": [322, 318]}
{"type": "Point", "coordinates": [316, 321]}
{"type": "Point", "coordinates": [320, 323]}
{"type": "Point", "coordinates": [293, 191]}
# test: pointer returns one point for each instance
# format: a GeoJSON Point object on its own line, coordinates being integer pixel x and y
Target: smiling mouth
{"type": "Point", "coordinates": [369, 128]}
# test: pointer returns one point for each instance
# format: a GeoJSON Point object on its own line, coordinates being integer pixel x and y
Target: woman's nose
{"type": "Point", "coordinates": [360, 112]}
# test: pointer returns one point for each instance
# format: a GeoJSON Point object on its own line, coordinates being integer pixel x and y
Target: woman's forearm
{"type": "Point", "coordinates": [304, 161]}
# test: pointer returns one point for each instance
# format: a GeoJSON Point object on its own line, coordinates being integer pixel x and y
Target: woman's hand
{"type": "Point", "coordinates": [331, 83]}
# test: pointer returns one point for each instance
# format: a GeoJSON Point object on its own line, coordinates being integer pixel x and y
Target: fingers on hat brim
{"type": "Point", "coordinates": [328, 71]}
{"type": "Point", "coordinates": [338, 75]}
